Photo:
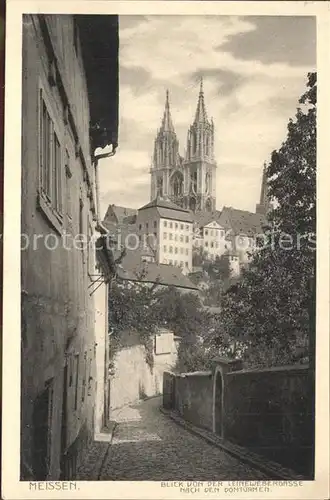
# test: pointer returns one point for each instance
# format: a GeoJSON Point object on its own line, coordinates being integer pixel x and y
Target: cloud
{"type": "Point", "coordinates": [288, 39]}
{"type": "Point", "coordinates": [251, 90]}
{"type": "Point", "coordinates": [183, 47]}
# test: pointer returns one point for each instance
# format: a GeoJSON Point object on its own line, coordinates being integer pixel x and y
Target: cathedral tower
{"type": "Point", "coordinates": [199, 164]}
{"type": "Point", "coordinates": [265, 205]}
{"type": "Point", "coordinates": [166, 169]}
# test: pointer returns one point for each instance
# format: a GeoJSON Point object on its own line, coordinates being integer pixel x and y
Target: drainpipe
{"type": "Point", "coordinates": [99, 226]}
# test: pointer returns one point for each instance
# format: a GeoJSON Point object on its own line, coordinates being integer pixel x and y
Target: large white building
{"type": "Point", "coordinates": [168, 230]}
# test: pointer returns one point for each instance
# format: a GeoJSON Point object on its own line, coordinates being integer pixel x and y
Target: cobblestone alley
{"type": "Point", "coordinates": [147, 445]}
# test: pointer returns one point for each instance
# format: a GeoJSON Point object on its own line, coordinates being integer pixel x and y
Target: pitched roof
{"type": "Point", "coordinates": [242, 222]}
{"type": "Point", "coordinates": [161, 202]}
{"type": "Point", "coordinates": [169, 210]}
{"type": "Point", "coordinates": [132, 268]}
{"type": "Point", "coordinates": [120, 212]}
{"type": "Point", "coordinates": [203, 218]}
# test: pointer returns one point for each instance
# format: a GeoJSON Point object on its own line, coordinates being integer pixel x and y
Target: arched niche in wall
{"type": "Point", "coordinates": [192, 203]}
{"type": "Point", "coordinates": [208, 205]}
{"type": "Point", "coordinates": [177, 183]}
{"type": "Point", "coordinates": [218, 389]}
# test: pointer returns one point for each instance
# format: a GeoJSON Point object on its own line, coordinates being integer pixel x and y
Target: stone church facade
{"type": "Point", "coordinates": [189, 181]}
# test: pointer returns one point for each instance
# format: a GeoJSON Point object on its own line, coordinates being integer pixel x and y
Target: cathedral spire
{"type": "Point", "coordinates": [167, 124]}
{"type": "Point", "coordinates": [264, 204]}
{"type": "Point", "coordinates": [201, 115]}
{"type": "Point", "coordinates": [263, 192]}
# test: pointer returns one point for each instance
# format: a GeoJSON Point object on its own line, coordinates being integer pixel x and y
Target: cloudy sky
{"type": "Point", "coordinates": [254, 71]}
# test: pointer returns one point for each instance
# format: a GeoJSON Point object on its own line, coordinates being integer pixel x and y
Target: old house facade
{"type": "Point", "coordinates": [63, 122]}
{"type": "Point", "coordinates": [167, 228]}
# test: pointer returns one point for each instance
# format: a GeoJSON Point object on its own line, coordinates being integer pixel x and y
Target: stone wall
{"type": "Point", "coordinates": [133, 378]}
{"type": "Point", "coordinates": [270, 412]}
{"type": "Point", "coordinates": [194, 398]}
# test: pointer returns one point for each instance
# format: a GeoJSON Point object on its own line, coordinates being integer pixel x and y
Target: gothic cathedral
{"type": "Point", "coordinates": [189, 181]}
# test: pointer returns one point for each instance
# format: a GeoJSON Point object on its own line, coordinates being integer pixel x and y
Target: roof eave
{"type": "Point", "coordinates": [99, 41]}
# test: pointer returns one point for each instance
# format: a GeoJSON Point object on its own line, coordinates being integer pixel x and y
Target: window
{"type": "Point", "coordinates": [81, 222]}
{"type": "Point", "coordinates": [68, 175]}
{"type": "Point", "coordinates": [90, 378]}
{"type": "Point", "coordinates": [187, 239]}
{"type": "Point", "coordinates": [171, 249]}
{"type": "Point", "coordinates": [182, 227]}
{"type": "Point", "coordinates": [206, 243]}
{"type": "Point", "coordinates": [165, 248]}
{"type": "Point", "coordinates": [206, 232]}
{"type": "Point", "coordinates": [155, 223]}
{"type": "Point", "coordinates": [70, 370]}
{"type": "Point", "coordinates": [176, 225]}
{"type": "Point", "coordinates": [170, 262]}
{"type": "Point", "coordinates": [57, 175]}
{"type": "Point", "coordinates": [181, 263]}
{"type": "Point", "coordinates": [46, 125]}
{"type": "Point", "coordinates": [50, 159]}
{"type": "Point", "coordinates": [155, 235]}
{"type": "Point", "coordinates": [186, 263]}
{"type": "Point", "coordinates": [140, 227]}
{"type": "Point", "coordinates": [181, 238]}
{"type": "Point", "coordinates": [170, 236]}
{"type": "Point", "coordinates": [171, 225]}
{"type": "Point", "coordinates": [165, 236]}
{"type": "Point", "coordinates": [187, 227]}
{"type": "Point", "coordinates": [212, 245]}
{"type": "Point", "coordinates": [165, 223]}
{"type": "Point", "coordinates": [147, 225]}
{"type": "Point", "coordinates": [175, 237]}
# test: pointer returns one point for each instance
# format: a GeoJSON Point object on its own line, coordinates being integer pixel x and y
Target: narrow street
{"type": "Point", "coordinates": [147, 445]}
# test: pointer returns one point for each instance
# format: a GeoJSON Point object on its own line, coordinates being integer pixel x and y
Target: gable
{"type": "Point", "coordinates": [213, 225]}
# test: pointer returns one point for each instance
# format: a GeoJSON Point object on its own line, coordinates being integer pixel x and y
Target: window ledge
{"type": "Point", "coordinates": [45, 207]}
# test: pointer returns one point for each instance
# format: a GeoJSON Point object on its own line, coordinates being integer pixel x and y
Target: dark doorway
{"type": "Point", "coordinates": [42, 418]}
{"type": "Point", "coordinates": [218, 404]}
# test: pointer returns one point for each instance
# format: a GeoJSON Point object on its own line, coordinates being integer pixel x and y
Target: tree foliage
{"type": "Point", "coordinates": [143, 309]}
{"type": "Point", "coordinates": [269, 309]}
